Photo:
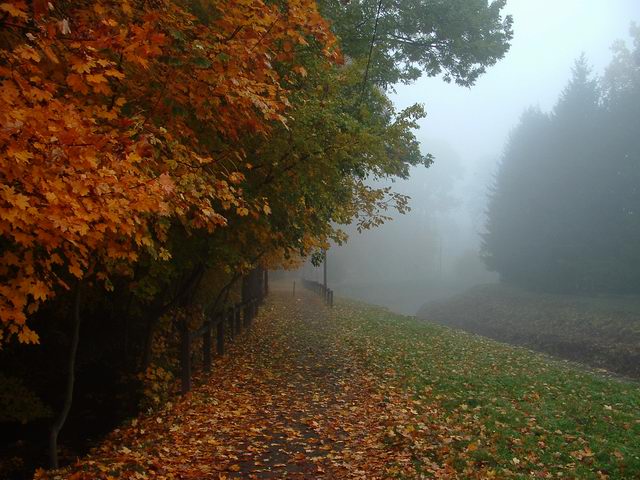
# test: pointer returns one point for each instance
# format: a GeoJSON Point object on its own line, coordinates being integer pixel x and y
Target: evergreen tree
{"type": "Point", "coordinates": [563, 215]}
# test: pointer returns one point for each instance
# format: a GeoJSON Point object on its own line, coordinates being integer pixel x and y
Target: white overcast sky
{"type": "Point", "coordinates": [548, 36]}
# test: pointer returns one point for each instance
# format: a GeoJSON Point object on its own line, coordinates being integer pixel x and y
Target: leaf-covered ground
{"type": "Point", "coordinates": [358, 392]}
{"type": "Point", "coordinates": [601, 331]}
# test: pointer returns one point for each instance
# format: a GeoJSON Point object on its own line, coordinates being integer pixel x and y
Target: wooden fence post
{"type": "Point", "coordinates": [206, 347]}
{"type": "Point", "coordinates": [185, 357]}
{"type": "Point", "coordinates": [220, 334]}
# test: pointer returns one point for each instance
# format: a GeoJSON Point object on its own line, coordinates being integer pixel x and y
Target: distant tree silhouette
{"type": "Point", "coordinates": [564, 212]}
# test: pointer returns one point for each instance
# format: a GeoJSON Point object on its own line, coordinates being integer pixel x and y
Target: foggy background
{"type": "Point", "coordinates": [432, 252]}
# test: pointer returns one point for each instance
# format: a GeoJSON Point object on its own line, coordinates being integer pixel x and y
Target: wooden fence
{"type": "Point", "coordinates": [325, 292]}
{"type": "Point", "coordinates": [222, 325]}
{"type": "Point", "coordinates": [227, 324]}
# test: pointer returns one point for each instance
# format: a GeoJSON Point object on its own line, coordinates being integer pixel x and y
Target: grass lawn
{"type": "Point", "coordinates": [599, 331]}
{"type": "Point", "coordinates": [502, 410]}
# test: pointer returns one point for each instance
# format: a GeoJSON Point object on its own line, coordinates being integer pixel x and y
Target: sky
{"type": "Point", "coordinates": [548, 36]}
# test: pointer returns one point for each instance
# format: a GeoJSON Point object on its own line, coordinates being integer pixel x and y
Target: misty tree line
{"type": "Point", "coordinates": [564, 212]}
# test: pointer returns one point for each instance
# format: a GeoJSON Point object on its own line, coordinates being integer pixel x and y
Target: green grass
{"type": "Point", "coordinates": [599, 331]}
{"type": "Point", "coordinates": [513, 412]}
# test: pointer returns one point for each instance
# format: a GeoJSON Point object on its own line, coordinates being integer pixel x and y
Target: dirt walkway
{"type": "Point", "coordinates": [288, 400]}
{"type": "Point", "coordinates": [292, 378]}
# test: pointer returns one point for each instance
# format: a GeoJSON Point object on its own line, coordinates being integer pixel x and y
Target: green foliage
{"type": "Point", "coordinates": [332, 145]}
{"type": "Point", "coordinates": [456, 38]}
{"type": "Point", "coordinates": [563, 215]}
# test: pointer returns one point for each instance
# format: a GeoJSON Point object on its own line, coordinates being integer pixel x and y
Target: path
{"type": "Point", "coordinates": [288, 400]}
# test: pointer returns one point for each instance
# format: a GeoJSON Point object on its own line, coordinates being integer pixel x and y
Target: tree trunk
{"type": "Point", "coordinates": [71, 374]}
{"type": "Point", "coordinates": [246, 288]}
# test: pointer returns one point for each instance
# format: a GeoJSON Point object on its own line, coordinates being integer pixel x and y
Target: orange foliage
{"type": "Point", "coordinates": [113, 117]}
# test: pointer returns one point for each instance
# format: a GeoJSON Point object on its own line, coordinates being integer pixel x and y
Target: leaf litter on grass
{"type": "Point", "coordinates": [511, 413]}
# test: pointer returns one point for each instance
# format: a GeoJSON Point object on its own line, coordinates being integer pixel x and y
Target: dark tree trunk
{"type": "Point", "coordinates": [246, 288]}
{"type": "Point", "coordinates": [71, 374]}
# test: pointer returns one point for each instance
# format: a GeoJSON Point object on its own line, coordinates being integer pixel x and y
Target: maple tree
{"type": "Point", "coordinates": [109, 112]}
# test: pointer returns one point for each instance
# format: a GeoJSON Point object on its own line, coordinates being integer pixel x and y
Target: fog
{"type": "Point", "coordinates": [433, 251]}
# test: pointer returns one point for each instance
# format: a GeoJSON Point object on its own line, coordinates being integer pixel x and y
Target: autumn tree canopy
{"type": "Point", "coordinates": [120, 119]}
